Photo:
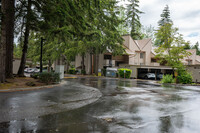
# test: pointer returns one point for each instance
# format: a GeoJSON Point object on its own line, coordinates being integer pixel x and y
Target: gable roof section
{"type": "Point", "coordinates": [128, 51]}
{"type": "Point", "coordinates": [142, 43]}
{"type": "Point", "coordinates": [193, 53]}
{"type": "Point", "coordinates": [136, 43]}
{"type": "Point", "coordinates": [198, 58]}
{"type": "Point", "coordinates": [139, 43]}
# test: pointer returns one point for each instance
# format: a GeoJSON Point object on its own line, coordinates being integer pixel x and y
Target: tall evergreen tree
{"type": "Point", "coordinates": [133, 19]}
{"type": "Point", "coordinates": [196, 46]}
{"type": "Point", "coordinates": [7, 36]}
{"type": "Point", "coordinates": [109, 38]}
{"type": "Point", "coordinates": [123, 27]}
{"type": "Point", "coordinates": [76, 27]}
{"type": "Point", "coordinates": [165, 16]}
{"type": "Point", "coordinates": [28, 14]}
{"type": "Point", "coordinates": [165, 21]}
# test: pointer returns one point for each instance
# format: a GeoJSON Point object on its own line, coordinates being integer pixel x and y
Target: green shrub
{"type": "Point", "coordinates": [127, 72]}
{"type": "Point", "coordinates": [183, 75]}
{"type": "Point", "coordinates": [168, 79]}
{"type": "Point", "coordinates": [72, 71]}
{"type": "Point", "coordinates": [35, 75]}
{"type": "Point", "coordinates": [185, 78]}
{"type": "Point", "coordinates": [49, 77]}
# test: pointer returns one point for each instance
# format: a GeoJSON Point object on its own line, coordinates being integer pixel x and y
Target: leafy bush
{"type": "Point", "coordinates": [49, 77]}
{"type": "Point", "coordinates": [127, 72]}
{"type": "Point", "coordinates": [35, 75]}
{"type": "Point", "coordinates": [168, 79]}
{"type": "Point", "coordinates": [185, 78]}
{"type": "Point", "coordinates": [72, 71]}
{"type": "Point", "coordinates": [183, 75]}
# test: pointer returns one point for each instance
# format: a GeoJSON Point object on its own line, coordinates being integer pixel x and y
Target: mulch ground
{"type": "Point", "coordinates": [19, 82]}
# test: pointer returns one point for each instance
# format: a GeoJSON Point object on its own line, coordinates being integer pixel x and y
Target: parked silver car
{"type": "Point", "coordinates": [149, 76]}
{"type": "Point", "coordinates": [31, 70]}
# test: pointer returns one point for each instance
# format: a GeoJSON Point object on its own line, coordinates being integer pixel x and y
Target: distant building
{"type": "Point", "coordinates": [16, 64]}
{"type": "Point", "coordinates": [140, 57]}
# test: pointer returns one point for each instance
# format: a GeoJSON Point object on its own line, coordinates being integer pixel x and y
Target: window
{"type": "Point", "coordinates": [141, 55]}
{"type": "Point", "coordinates": [153, 60]}
{"type": "Point", "coordinates": [190, 62]}
{"type": "Point", "coordinates": [107, 57]}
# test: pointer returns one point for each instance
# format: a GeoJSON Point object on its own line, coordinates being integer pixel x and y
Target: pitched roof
{"type": "Point", "coordinates": [142, 43]}
{"type": "Point", "coordinates": [198, 58]}
{"type": "Point", "coordinates": [128, 51]}
{"type": "Point", "coordinates": [192, 51]}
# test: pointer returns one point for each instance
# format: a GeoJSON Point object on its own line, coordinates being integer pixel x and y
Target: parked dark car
{"type": "Point", "coordinates": [159, 76]}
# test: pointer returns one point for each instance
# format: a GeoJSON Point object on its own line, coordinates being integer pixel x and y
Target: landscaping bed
{"type": "Point", "coordinates": [21, 83]}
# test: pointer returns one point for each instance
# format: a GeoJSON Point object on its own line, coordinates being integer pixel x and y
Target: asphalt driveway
{"type": "Point", "coordinates": [126, 106]}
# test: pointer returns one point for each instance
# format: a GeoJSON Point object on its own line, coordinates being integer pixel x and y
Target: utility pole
{"type": "Point", "coordinates": [41, 48]}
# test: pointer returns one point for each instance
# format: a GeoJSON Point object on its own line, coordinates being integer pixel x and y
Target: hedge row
{"type": "Point", "coordinates": [47, 77]}
{"type": "Point", "coordinates": [127, 73]}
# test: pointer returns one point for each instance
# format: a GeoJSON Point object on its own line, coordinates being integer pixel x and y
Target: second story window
{"type": "Point", "coordinates": [190, 62]}
{"type": "Point", "coordinates": [107, 57]}
{"type": "Point", "coordinates": [153, 60]}
{"type": "Point", "coordinates": [141, 55]}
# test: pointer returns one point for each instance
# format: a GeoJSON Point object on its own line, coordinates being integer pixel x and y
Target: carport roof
{"type": "Point", "coordinates": [156, 67]}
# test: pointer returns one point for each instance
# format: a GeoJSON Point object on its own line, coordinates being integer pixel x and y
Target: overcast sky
{"type": "Point", "coordinates": [185, 15]}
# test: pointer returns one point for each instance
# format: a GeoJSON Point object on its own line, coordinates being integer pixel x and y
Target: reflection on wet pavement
{"type": "Point", "coordinates": [126, 106]}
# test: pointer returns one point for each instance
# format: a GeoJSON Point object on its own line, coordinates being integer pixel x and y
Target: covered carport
{"type": "Point", "coordinates": [141, 71]}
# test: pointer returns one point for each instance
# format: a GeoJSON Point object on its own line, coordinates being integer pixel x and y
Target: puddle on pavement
{"type": "Point", "coordinates": [126, 106]}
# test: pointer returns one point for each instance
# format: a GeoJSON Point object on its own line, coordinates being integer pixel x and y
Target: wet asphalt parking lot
{"type": "Point", "coordinates": [102, 105]}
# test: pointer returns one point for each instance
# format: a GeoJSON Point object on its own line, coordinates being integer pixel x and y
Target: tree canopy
{"type": "Point", "coordinates": [133, 19]}
{"type": "Point", "coordinates": [75, 27]}
{"type": "Point", "coordinates": [164, 21]}
{"type": "Point", "coordinates": [165, 17]}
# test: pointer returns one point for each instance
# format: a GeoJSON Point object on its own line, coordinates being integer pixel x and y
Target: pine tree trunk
{"type": "Point", "coordinates": [67, 66]}
{"type": "Point", "coordinates": [83, 63]}
{"type": "Point", "coordinates": [97, 64]}
{"type": "Point", "coordinates": [25, 47]}
{"type": "Point", "coordinates": [7, 35]}
{"type": "Point", "coordinates": [49, 66]}
{"type": "Point", "coordinates": [91, 64]}
{"type": "Point", "coordinates": [9, 43]}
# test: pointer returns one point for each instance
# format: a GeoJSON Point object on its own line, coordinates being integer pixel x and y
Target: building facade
{"type": "Point", "coordinates": [139, 56]}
